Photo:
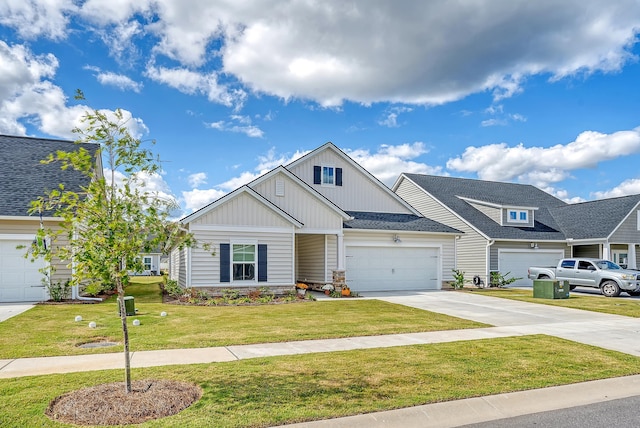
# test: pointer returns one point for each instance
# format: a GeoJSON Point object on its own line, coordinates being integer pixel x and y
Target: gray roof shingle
{"type": "Point", "coordinates": [23, 178]}
{"type": "Point", "coordinates": [448, 190]}
{"type": "Point", "coordinates": [594, 219]}
{"type": "Point", "coordinates": [392, 221]}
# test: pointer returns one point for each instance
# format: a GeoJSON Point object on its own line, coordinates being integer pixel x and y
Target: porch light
{"type": "Point", "coordinates": [396, 239]}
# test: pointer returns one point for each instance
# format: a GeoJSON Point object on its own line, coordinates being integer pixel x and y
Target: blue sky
{"type": "Point", "coordinates": [545, 92]}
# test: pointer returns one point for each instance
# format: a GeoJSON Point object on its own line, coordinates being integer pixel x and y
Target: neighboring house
{"type": "Point", "coordinates": [509, 227]}
{"type": "Point", "coordinates": [316, 220]}
{"type": "Point", "coordinates": [150, 264]}
{"type": "Point", "coordinates": [23, 179]}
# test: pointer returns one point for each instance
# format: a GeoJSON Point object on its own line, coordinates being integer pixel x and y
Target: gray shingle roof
{"type": "Point", "coordinates": [448, 191]}
{"type": "Point", "coordinates": [23, 178]}
{"type": "Point", "coordinates": [392, 221]}
{"type": "Point", "coordinates": [594, 219]}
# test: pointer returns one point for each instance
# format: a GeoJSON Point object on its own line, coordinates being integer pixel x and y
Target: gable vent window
{"type": "Point", "coordinates": [279, 187]}
{"type": "Point", "coordinates": [327, 175]}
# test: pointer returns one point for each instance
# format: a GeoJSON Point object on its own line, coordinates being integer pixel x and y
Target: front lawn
{"type": "Point", "coordinates": [278, 390]}
{"type": "Point", "coordinates": [49, 330]}
{"type": "Point", "coordinates": [612, 305]}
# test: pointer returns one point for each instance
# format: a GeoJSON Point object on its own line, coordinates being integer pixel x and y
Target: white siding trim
{"type": "Point", "coordinates": [319, 232]}
{"type": "Point", "coordinates": [30, 217]}
{"type": "Point", "coordinates": [188, 266]}
{"type": "Point", "coordinates": [17, 236]}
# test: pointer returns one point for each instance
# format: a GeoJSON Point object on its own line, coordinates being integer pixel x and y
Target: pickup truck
{"type": "Point", "coordinates": [610, 278]}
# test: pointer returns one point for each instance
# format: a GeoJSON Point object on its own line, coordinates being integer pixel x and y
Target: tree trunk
{"type": "Point", "coordinates": [125, 334]}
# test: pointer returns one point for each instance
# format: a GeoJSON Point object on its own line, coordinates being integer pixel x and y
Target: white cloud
{"type": "Point", "coordinates": [544, 166]}
{"type": "Point", "coordinates": [331, 51]}
{"type": "Point", "coordinates": [120, 81]}
{"type": "Point", "coordinates": [32, 18]}
{"type": "Point", "coordinates": [391, 119]}
{"type": "Point", "coordinates": [197, 179]}
{"type": "Point", "coordinates": [390, 161]}
{"type": "Point", "coordinates": [627, 187]}
{"type": "Point", "coordinates": [196, 198]}
{"type": "Point", "coordinates": [238, 124]}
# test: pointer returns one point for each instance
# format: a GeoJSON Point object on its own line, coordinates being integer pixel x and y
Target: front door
{"type": "Point", "coordinates": [620, 257]}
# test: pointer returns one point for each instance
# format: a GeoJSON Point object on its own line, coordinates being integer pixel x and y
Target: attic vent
{"type": "Point", "coordinates": [279, 187]}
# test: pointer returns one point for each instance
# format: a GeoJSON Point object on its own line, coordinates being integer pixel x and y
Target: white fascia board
{"type": "Point", "coordinates": [633, 210]}
{"type": "Point", "coordinates": [452, 212]}
{"type": "Point", "coordinates": [29, 218]}
{"type": "Point", "coordinates": [494, 205]}
{"type": "Point", "coordinates": [343, 155]}
{"type": "Point", "coordinates": [314, 193]}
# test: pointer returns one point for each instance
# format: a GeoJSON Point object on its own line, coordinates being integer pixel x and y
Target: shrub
{"type": "Point", "coordinates": [93, 289]}
{"type": "Point", "coordinates": [172, 288]}
{"type": "Point", "coordinates": [499, 280]}
{"type": "Point", "coordinates": [59, 291]}
{"type": "Point", "coordinates": [458, 277]}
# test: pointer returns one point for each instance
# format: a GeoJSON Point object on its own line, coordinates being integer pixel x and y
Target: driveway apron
{"type": "Point", "coordinates": [618, 333]}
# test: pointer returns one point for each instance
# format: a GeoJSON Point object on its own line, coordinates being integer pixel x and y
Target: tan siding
{"type": "Point", "coordinates": [586, 251]}
{"type": "Point", "coordinates": [470, 247]}
{"type": "Point", "coordinates": [357, 193]}
{"type": "Point", "coordinates": [205, 268]}
{"type": "Point", "coordinates": [332, 256]}
{"type": "Point", "coordinates": [242, 210]}
{"type": "Point", "coordinates": [494, 214]}
{"type": "Point", "coordinates": [628, 230]}
{"type": "Point", "coordinates": [311, 258]}
{"type": "Point", "coordinates": [308, 209]}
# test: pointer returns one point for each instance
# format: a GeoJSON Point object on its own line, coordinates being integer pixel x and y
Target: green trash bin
{"type": "Point", "coordinates": [129, 306]}
{"type": "Point", "coordinates": [550, 289]}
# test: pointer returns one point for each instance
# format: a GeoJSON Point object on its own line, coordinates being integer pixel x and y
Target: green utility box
{"type": "Point", "coordinates": [129, 306]}
{"type": "Point", "coordinates": [550, 289]}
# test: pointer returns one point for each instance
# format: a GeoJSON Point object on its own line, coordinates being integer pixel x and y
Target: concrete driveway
{"type": "Point", "coordinates": [8, 310]}
{"type": "Point", "coordinates": [613, 332]}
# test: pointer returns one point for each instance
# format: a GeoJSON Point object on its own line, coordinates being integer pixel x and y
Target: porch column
{"type": "Point", "coordinates": [606, 251]}
{"type": "Point", "coordinates": [340, 251]}
{"type": "Point", "coordinates": [631, 257]}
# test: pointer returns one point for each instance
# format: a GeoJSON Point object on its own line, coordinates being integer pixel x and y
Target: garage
{"type": "Point", "coordinates": [20, 279]}
{"type": "Point", "coordinates": [370, 268]}
{"type": "Point", "coordinates": [518, 263]}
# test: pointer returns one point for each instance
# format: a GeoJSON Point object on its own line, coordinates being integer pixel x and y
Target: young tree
{"type": "Point", "coordinates": [112, 220]}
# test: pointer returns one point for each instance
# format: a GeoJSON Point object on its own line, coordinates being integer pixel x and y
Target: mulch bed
{"type": "Point", "coordinates": [110, 404]}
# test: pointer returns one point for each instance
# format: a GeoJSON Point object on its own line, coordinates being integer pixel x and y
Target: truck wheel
{"type": "Point", "coordinates": [610, 289]}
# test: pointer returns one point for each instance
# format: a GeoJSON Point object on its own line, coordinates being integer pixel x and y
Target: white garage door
{"type": "Point", "coordinates": [399, 268]}
{"type": "Point", "coordinates": [518, 263]}
{"type": "Point", "coordinates": [20, 280]}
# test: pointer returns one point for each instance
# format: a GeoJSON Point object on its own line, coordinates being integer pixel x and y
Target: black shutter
{"type": "Point", "coordinates": [225, 263]}
{"type": "Point", "coordinates": [262, 262]}
{"type": "Point", "coordinates": [338, 176]}
{"type": "Point", "coordinates": [317, 171]}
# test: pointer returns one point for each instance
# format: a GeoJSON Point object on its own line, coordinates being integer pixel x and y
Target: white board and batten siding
{"type": "Point", "coordinates": [375, 263]}
{"type": "Point", "coordinates": [295, 200]}
{"type": "Point", "coordinates": [471, 246]}
{"type": "Point", "coordinates": [359, 190]}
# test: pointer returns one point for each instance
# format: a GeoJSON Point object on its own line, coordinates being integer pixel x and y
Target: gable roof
{"type": "Point", "coordinates": [399, 222]}
{"type": "Point", "coordinates": [24, 178]}
{"type": "Point", "coordinates": [330, 146]}
{"type": "Point", "coordinates": [598, 219]}
{"type": "Point", "coordinates": [240, 191]}
{"type": "Point", "coordinates": [452, 193]}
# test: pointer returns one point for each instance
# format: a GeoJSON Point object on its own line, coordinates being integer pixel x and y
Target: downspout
{"type": "Point", "coordinates": [488, 259]}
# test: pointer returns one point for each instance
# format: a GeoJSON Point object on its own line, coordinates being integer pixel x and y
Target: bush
{"type": "Point", "coordinates": [499, 280]}
{"type": "Point", "coordinates": [172, 288]}
{"type": "Point", "coordinates": [458, 277]}
{"type": "Point", "coordinates": [93, 289]}
{"type": "Point", "coordinates": [59, 291]}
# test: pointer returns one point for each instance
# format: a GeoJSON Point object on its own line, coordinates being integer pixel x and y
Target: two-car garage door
{"type": "Point", "coordinates": [370, 268]}
{"type": "Point", "coordinates": [20, 279]}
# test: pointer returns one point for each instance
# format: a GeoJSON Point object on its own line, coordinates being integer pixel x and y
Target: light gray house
{"type": "Point", "coordinates": [509, 227]}
{"type": "Point", "coordinates": [316, 220]}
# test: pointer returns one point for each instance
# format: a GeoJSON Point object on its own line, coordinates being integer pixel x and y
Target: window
{"type": "Point", "coordinates": [568, 264]}
{"type": "Point", "coordinates": [518, 216]}
{"type": "Point", "coordinates": [244, 262]}
{"type": "Point", "coordinates": [146, 262]}
{"type": "Point", "coordinates": [327, 175]}
{"type": "Point", "coordinates": [584, 265]}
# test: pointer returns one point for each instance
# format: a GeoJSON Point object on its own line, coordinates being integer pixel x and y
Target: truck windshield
{"type": "Point", "coordinates": [607, 265]}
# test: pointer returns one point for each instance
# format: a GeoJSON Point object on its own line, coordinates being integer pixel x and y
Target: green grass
{"type": "Point", "coordinates": [626, 307]}
{"type": "Point", "coordinates": [278, 390]}
{"type": "Point", "coordinates": [49, 330]}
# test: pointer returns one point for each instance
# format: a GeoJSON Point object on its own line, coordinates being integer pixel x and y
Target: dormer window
{"type": "Point", "coordinates": [326, 175]}
{"type": "Point", "coordinates": [518, 216]}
